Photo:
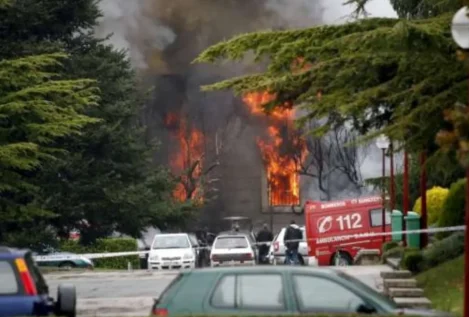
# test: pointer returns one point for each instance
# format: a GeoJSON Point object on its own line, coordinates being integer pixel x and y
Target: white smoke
{"type": "Point", "coordinates": [335, 12]}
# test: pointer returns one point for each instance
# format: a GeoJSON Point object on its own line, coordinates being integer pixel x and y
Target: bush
{"type": "Point", "coordinates": [444, 250]}
{"type": "Point", "coordinates": [389, 246]}
{"type": "Point", "coordinates": [413, 261]}
{"type": "Point", "coordinates": [454, 207]}
{"type": "Point", "coordinates": [107, 245]}
{"type": "Point", "coordinates": [436, 198]}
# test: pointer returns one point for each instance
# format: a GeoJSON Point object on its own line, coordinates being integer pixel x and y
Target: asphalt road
{"type": "Point", "coordinates": [131, 293]}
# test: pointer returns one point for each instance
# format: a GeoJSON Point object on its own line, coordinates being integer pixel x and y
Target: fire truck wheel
{"type": "Point", "coordinates": [344, 259]}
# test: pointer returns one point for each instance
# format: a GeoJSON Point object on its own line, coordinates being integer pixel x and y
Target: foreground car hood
{"type": "Point", "coordinates": [425, 312]}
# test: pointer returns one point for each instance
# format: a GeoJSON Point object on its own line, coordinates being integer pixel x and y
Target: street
{"type": "Point", "coordinates": [124, 293]}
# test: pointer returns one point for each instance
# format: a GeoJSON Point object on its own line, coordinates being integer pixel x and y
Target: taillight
{"type": "Point", "coordinates": [276, 246]}
{"type": "Point", "coordinates": [247, 256]}
{"type": "Point", "coordinates": [159, 312]}
{"type": "Point", "coordinates": [214, 258]}
{"type": "Point", "coordinates": [26, 278]}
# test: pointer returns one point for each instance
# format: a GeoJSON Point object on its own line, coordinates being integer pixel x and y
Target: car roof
{"type": "Point", "coordinates": [11, 253]}
{"type": "Point", "coordinates": [267, 269]}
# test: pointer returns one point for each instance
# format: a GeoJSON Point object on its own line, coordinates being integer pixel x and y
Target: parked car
{"type": "Point", "coordinates": [233, 248]}
{"type": "Point", "coordinates": [172, 251]}
{"type": "Point", "coordinates": [272, 290]}
{"type": "Point", "coordinates": [277, 249]}
{"type": "Point", "coordinates": [24, 292]}
{"type": "Point", "coordinates": [64, 260]}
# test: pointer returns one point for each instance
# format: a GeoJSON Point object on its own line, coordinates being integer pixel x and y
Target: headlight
{"type": "Point", "coordinates": [188, 256]}
{"type": "Point", "coordinates": [87, 261]}
{"type": "Point", "coordinates": [154, 258]}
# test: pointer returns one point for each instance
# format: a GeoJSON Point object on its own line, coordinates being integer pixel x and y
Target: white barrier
{"type": "Point", "coordinates": [321, 240]}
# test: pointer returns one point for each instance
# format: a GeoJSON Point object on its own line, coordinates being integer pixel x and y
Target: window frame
{"type": "Point", "coordinates": [318, 276]}
{"type": "Point", "coordinates": [215, 288]}
{"type": "Point", "coordinates": [19, 285]}
{"type": "Point", "coordinates": [237, 295]}
{"type": "Point", "coordinates": [380, 210]}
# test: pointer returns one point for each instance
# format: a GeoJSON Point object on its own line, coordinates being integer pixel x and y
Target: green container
{"type": "Point", "coordinates": [413, 223]}
{"type": "Point", "coordinates": [396, 225]}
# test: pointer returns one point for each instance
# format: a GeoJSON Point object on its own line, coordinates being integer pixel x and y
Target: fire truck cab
{"type": "Point", "coordinates": [333, 225]}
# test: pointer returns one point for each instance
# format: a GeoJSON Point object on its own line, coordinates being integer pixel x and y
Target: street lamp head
{"type": "Point", "coordinates": [460, 28]}
{"type": "Point", "coordinates": [382, 142]}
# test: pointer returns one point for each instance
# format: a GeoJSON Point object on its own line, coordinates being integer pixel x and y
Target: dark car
{"type": "Point", "coordinates": [273, 290]}
{"type": "Point", "coordinates": [24, 292]}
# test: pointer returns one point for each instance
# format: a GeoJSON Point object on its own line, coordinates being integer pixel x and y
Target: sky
{"type": "Point", "coordinates": [336, 13]}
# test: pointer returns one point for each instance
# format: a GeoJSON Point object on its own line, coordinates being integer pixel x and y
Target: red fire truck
{"type": "Point", "coordinates": [334, 225]}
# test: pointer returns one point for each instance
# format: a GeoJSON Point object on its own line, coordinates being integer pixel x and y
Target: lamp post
{"type": "Point", "coordinates": [383, 143]}
{"type": "Point", "coordinates": [460, 32]}
{"type": "Point", "coordinates": [392, 186]}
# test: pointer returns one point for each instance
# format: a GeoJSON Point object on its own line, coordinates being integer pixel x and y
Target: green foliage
{"type": "Point", "coordinates": [444, 250]}
{"type": "Point", "coordinates": [103, 246]}
{"type": "Point", "coordinates": [436, 197]}
{"type": "Point", "coordinates": [98, 179]}
{"type": "Point", "coordinates": [413, 261]}
{"type": "Point", "coordinates": [389, 246]}
{"type": "Point", "coordinates": [454, 207]}
{"type": "Point", "coordinates": [392, 76]}
{"type": "Point", "coordinates": [36, 109]}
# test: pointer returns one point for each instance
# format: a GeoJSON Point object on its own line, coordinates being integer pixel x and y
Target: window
{"type": "Point", "coordinates": [376, 216]}
{"type": "Point", "coordinates": [318, 294]}
{"type": "Point", "coordinates": [234, 242]}
{"type": "Point", "coordinates": [171, 242]}
{"type": "Point", "coordinates": [224, 294]}
{"type": "Point", "coordinates": [8, 284]}
{"type": "Point", "coordinates": [261, 291]}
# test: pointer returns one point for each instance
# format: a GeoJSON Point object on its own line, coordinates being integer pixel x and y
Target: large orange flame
{"type": "Point", "coordinates": [187, 160]}
{"type": "Point", "coordinates": [282, 151]}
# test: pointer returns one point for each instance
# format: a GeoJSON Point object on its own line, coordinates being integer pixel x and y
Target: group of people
{"type": "Point", "coordinates": [293, 236]}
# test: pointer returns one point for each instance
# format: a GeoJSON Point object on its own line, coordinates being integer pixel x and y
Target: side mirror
{"type": "Point", "coordinates": [365, 309]}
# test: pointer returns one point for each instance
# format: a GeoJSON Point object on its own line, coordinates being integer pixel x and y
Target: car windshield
{"type": "Point", "coordinates": [231, 243]}
{"type": "Point", "coordinates": [367, 289]}
{"type": "Point", "coordinates": [171, 242]}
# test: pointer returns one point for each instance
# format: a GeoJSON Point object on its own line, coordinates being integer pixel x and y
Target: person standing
{"type": "Point", "coordinates": [264, 237]}
{"type": "Point", "coordinates": [291, 240]}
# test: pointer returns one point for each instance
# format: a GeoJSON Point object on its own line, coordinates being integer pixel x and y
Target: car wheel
{"type": "Point", "coordinates": [66, 304]}
{"type": "Point", "coordinates": [67, 265]}
{"type": "Point", "coordinates": [344, 259]}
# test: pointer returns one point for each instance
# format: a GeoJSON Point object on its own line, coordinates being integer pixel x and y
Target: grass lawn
{"type": "Point", "coordinates": [443, 285]}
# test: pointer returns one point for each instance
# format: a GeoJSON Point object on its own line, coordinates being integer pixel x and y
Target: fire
{"type": "Point", "coordinates": [187, 160]}
{"type": "Point", "coordinates": [282, 151]}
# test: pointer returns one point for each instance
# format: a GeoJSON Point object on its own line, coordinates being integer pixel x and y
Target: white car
{"type": "Point", "coordinates": [277, 249]}
{"type": "Point", "coordinates": [172, 251]}
{"type": "Point", "coordinates": [233, 249]}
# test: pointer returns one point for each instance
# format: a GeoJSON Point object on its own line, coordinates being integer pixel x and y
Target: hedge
{"type": "Point", "coordinates": [453, 208]}
{"type": "Point", "coordinates": [413, 261]}
{"type": "Point", "coordinates": [444, 250]}
{"type": "Point", "coordinates": [436, 198]}
{"type": "Point", "coordinates": [103, 246]}
{"type": "Point", "coordinates": [389, 246]}
{"type": "Point", "coordinates": [440, 252]}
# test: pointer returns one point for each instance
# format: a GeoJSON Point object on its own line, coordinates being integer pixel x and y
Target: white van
{"type": "Point", "coordinates": [172, 251]}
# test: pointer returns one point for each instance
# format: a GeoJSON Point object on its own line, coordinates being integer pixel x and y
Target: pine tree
{"type": "Point", "coordinates": [384, 75]}
{"type": "Point", "coordinates": [37, 109]}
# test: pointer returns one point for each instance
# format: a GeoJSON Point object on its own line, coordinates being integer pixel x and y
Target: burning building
{"type": "Point", "coordinates": [248, 160]}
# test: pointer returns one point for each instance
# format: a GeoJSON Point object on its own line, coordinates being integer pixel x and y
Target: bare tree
{"type": "Point", "coordinates": [332, 158]}
{"type": "Point", "coordinates": [197, 178]}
